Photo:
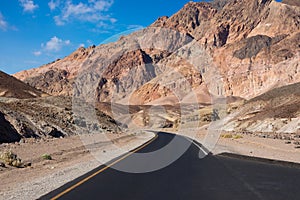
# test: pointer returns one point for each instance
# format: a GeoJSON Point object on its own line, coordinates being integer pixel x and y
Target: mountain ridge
{"type": "Point", "coordinates": [250, 52]}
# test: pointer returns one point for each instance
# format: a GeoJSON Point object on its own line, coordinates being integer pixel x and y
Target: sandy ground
{"type": "Point", "coordinates": [249, 145]}
{"type": "Point", "coordinates": [259, 147]}
{"type": "Point", "coordinates": [72, 157]}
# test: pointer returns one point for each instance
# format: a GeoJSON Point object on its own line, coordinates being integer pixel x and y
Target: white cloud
{"type": "Point", "coordinates": [90, 42]}
{"type": "Point", "coordinates": [53, 4]}
{"type": "Point", "coordinates": [92, 11]}
{"type": "Point", "coordinates": [67, 42]}
{"type": "Point", "coordinates": [37, 53]}
{"type": "Point", "coordinates": [58, 21]}
{"type": "Point", "coordinates": [113, 20]}
{"type": "Point", "coordinates": [82, 45]}
{"type": "Point", "coordinates": [28, 5]}
{"type": "Point", "coordinates": [3, 23]}
{"type": "Point", "coordinates": [55, 44]}
{"type": "Point", "coordinates": [102, 5]}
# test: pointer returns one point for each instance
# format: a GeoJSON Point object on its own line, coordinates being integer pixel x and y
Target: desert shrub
{"type": "Point", "coordinates": [232, 136]}
{"type": "Point", "coordinates": [9, 158]}
{"type": "Point", "coordinates": [46, 157]}
{"type": "Point", "coordinates": [227, 136]}
{"type": "Point", "coordinates": [237, 137]}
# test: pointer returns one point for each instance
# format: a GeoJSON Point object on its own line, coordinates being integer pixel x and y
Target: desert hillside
{"type": "Point", "coordinates": [48, 117]}
{"type": "Point", "coordinates": [203, 54]}
{"type": "Point", "coordinates": [224, 74]}
{"type": "Point", "coordinates": [274, 114]}
{"type": "Point", "coordinates": [26, 112]}
{"type": "Point", "coordinates": [14, 88]}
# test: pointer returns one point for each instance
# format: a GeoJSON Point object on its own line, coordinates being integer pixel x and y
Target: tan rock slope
{"type": "Point", "coordinates": [206, 50]}
{"type": "Point", "coordinates": [274, 113]}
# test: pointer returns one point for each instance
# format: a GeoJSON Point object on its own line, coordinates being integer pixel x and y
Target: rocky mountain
{"type": "Point", "coordinates": [253, 43]}
{"type": "Point", "coordinates": [14, 88]}
{"type": "Point", "coordinates": [205, 51]}
{"type": "Point", "coordinates": [56, 78]}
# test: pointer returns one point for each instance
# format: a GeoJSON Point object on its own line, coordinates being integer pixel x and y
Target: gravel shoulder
{"type": "Point", "coordinates": [253, 146]}
{"type": "Point", "coordinates": [72, 157]}
{"type": "Point", "coordinates": [244, 144]}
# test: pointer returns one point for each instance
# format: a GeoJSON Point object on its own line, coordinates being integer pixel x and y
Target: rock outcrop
{"type": "Point", "coordinates": [49, 117]}
{"type": "Point", "coordinates": [7, 132]}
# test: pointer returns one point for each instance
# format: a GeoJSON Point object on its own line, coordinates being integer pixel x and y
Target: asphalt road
{"type": "Point", "coordinates": [188, 178]}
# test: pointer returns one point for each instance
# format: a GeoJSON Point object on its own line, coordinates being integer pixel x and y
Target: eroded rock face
{"type": "Point", "coordinates": [131, 70]}
{"type": "Point", "coordinates": [49, 117]}
{"type": "Point", "coordinates": [55, 82]}
{"type": "Point", "coordinates": [253, 46]}
{"type": "Point", "coordinates": [189, 18]}
{"type": "Point", "coordinates": [56, 78]}
{"type": "Point", "coordinates": [248, 47]}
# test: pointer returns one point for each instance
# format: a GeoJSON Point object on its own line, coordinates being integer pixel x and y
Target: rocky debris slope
{"type": "Point", "coordinates": [225, 48]}
{"type": "Point", "coordinates": [14, 88]}
{"type": "Point", "coordinates": [48, 117]}
{"type": "Point", "coordinates": [275, 113]}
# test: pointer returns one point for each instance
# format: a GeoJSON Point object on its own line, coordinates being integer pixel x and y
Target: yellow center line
{"type": "Point", "coordinates": [103, 169]}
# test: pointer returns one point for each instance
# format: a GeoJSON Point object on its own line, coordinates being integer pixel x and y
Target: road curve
{"type": "Point", "coordinates": [188, 178]}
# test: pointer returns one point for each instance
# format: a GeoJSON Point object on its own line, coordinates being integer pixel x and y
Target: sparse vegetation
{"type": "Point", "coordinates": [231, 136]}
{"type": "Point", "coordinates": [9, 158]}
{"type": "Point", "coordinates": [236, 137]}
{"type": "Point", "coordinates": [46, 157]}
{"type": "Point", "coordinates": [227, 136]}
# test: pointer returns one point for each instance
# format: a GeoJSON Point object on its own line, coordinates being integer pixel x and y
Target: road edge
{"type": "Point", "coordinates": [80, 180]}
{"type": "Point", "coordinates": [260, 159]}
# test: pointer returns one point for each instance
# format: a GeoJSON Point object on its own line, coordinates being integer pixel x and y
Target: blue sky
{"type": "Point", "coordinates": [36, 32]}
